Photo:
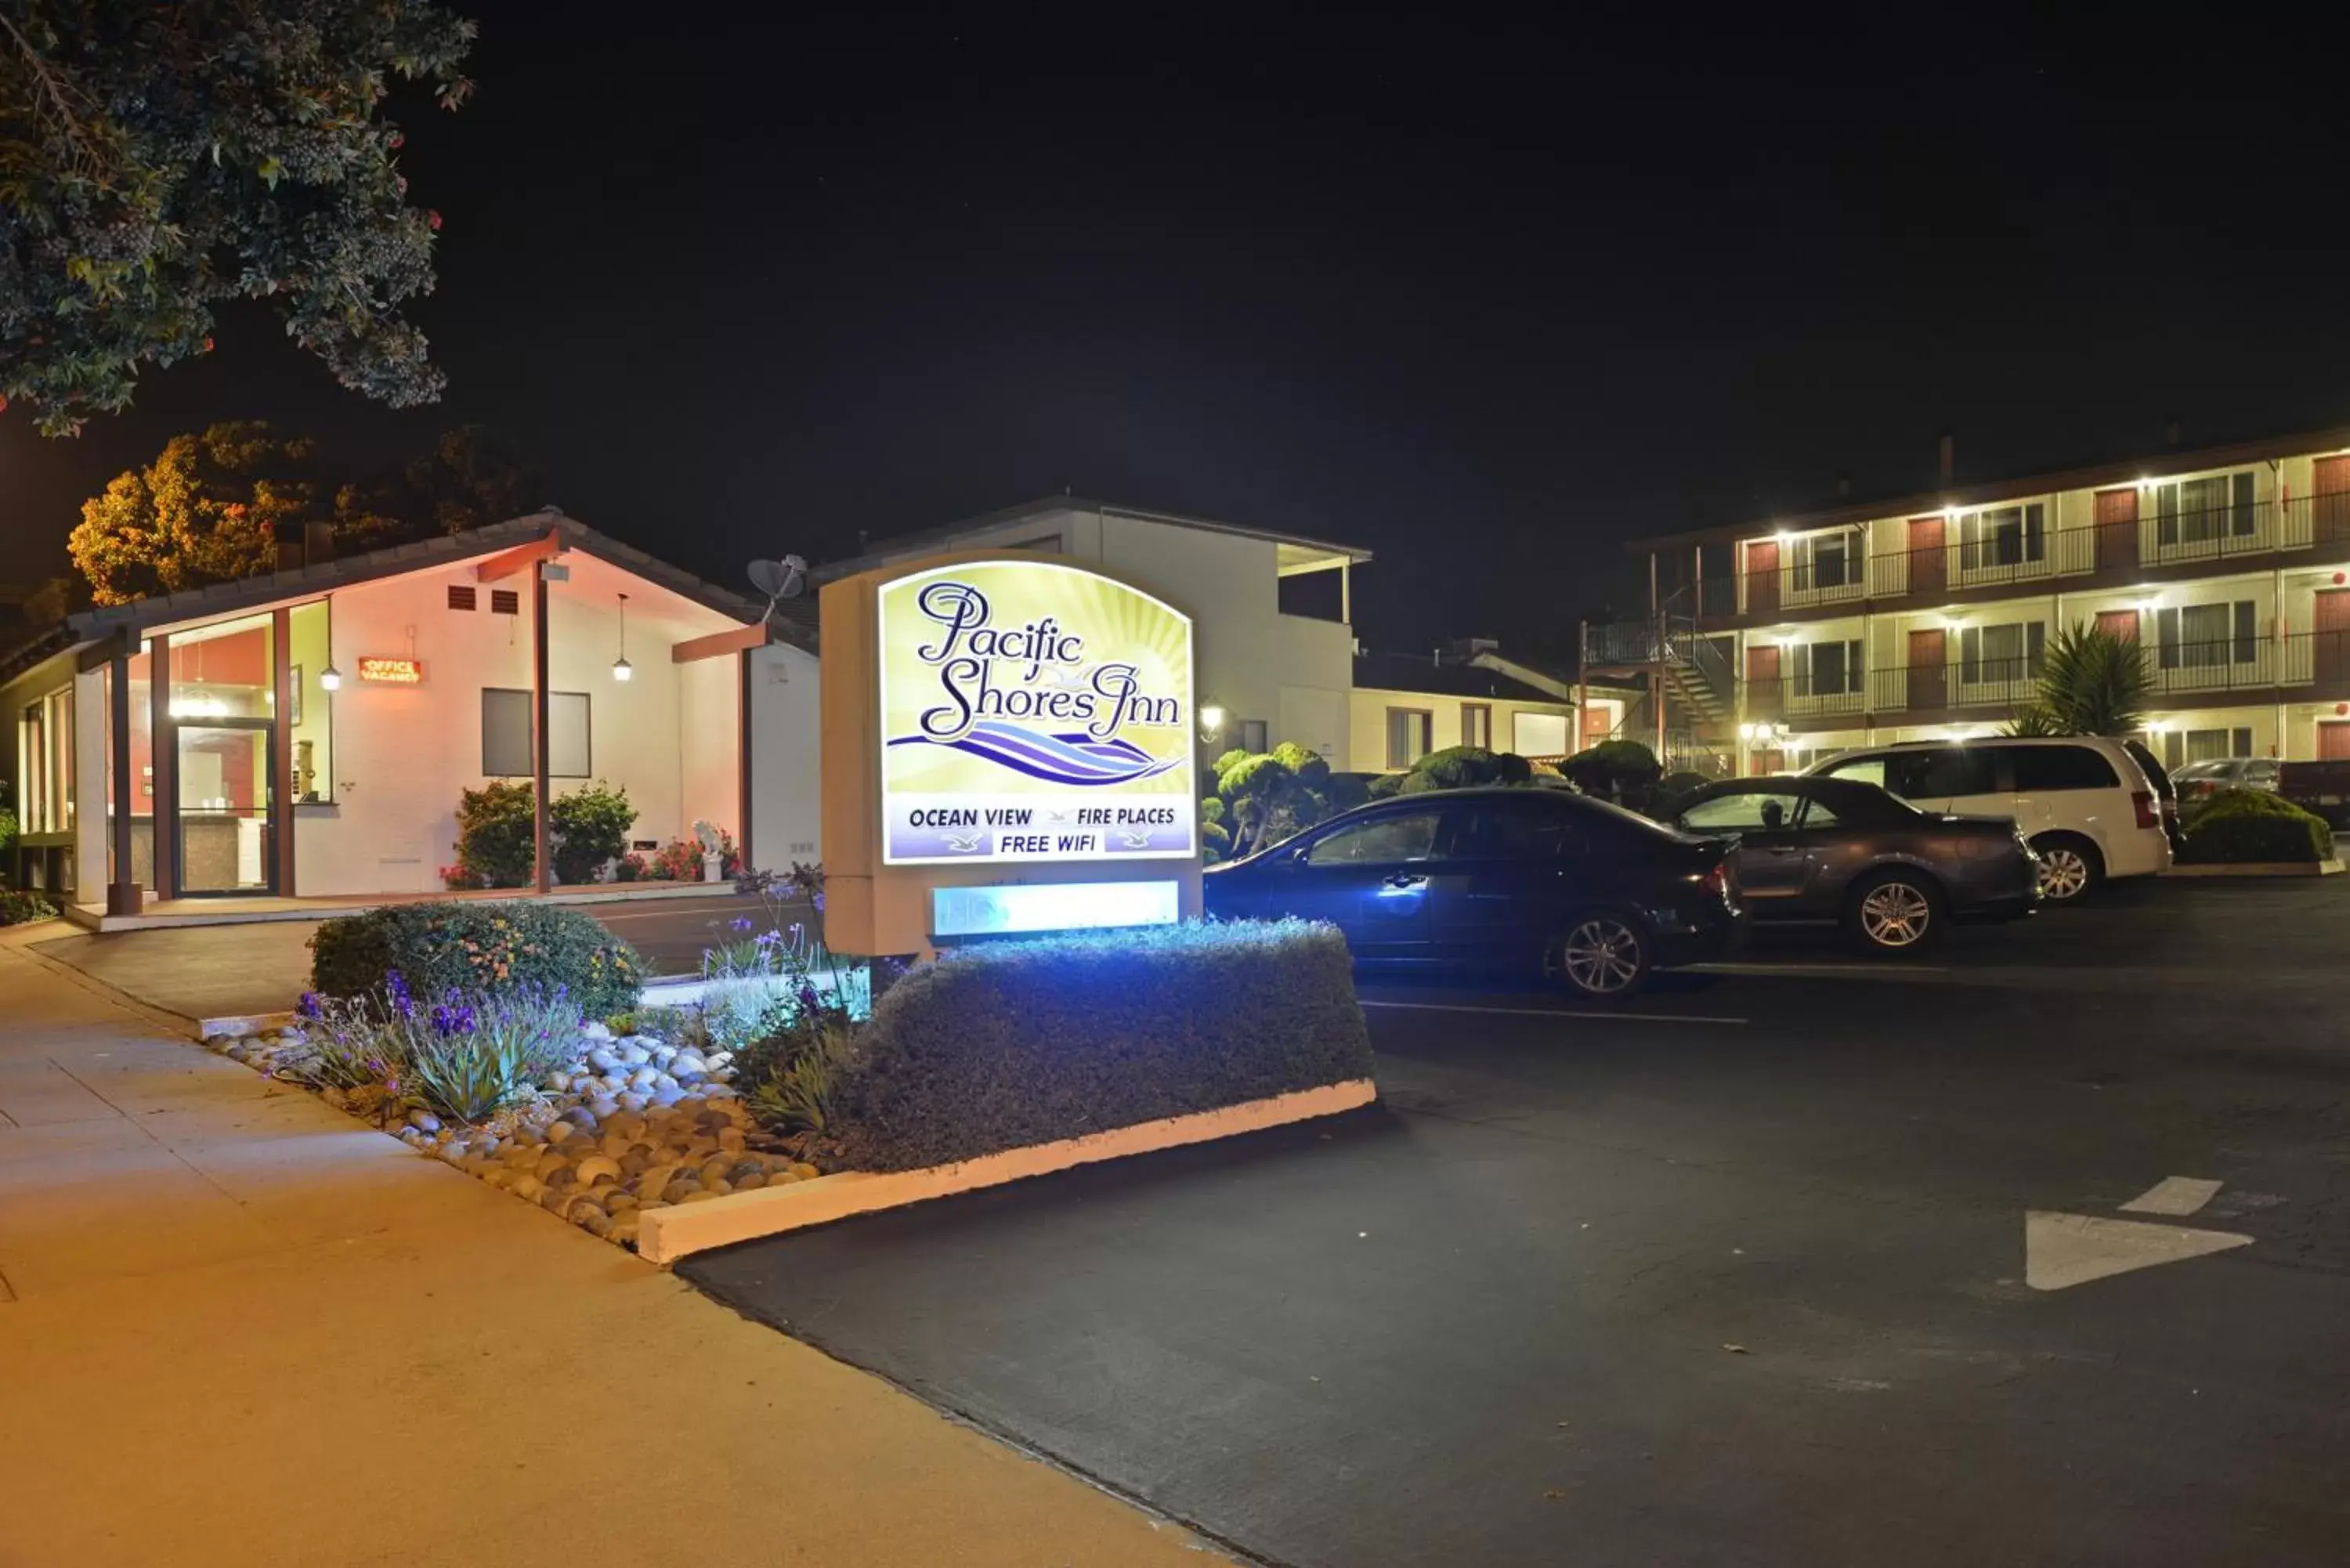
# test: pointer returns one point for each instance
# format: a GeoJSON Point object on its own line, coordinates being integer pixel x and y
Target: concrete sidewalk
{"type": "Point", "coordinates": [237, 1328]}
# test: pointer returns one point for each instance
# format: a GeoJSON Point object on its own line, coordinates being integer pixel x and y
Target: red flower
{"type": "Point", "coordinates": [434, 218]}
{"type": "Point", "coordinates": [208, 345]}
{"type": "Point", "coordinates": [398, 140]}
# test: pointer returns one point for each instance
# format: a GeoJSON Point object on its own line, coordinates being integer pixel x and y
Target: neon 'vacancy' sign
{"type": "Point", "coordinates": [1031, 710]}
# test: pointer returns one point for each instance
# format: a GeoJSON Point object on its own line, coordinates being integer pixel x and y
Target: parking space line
{"type": "Point", "coordinates": [1815, 970]}
{"type": "Point", "coordinates": [1556, 1013]}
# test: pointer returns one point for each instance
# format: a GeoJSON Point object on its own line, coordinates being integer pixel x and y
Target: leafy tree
{"type": "Point", "coordinates": [2091, 682]}
{"type": "Point", "coordinates": [1262, 798]}
{"type": "Point", "coordinates": [208, 510]}
{"type": "Point", "coordinates": [473, 476]}
{"type": "Point", "coordinates": [158, 160]}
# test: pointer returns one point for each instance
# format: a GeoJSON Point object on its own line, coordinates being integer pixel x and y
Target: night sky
{"type": "Point", "coordinates": [1487, 304]}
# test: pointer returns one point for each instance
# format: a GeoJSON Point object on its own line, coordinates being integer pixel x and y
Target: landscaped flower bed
{"type": "Point", "coordinates": [626, 1124]}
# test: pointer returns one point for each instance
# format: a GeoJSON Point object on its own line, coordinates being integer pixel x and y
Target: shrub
{"type": "Point", "coordinates": [18, 907]}
{"type": "Point", "coordinates": [591, 826]}
{"type": "Point", "coordinates": [1000, 1046]}
{"type": "Point", "coordinates": [1459, 767]}
{"type": "Point", "coordinates": [466, 1058]}
{"type": "Point", "coordinates": [679, 860]}
{"type": "Point", "coordinates": [497, 830]}
{"type": "Point", "coordinates": [1623, 771]}
{"type": "Point", "coordinates": [476, 946]}
{"type": "Point", "coordinates": [2245, 827]}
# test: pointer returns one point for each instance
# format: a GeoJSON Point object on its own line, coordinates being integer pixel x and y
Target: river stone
{"type": "Point", "coordinates": [704, 1196]}
{"type": "Point", "coordinates": [555, 1199]}
{"type": "Point", "coordinates": [598, 1167]}
{"type": "Point", "coordinates": [593, 1220]}
{"type": "Point", "coordinates": [624, 1229]}
{"type": "Point", "coordinates": [527, 1186]}
{"type": "Point", "coordinates": [579, 1116]}
{"type": "Point", "coordinates": [805, 1171]}
{"type": "Point", "coordinates": [560, 1133]}
{"type": "Point", "coordinates": [654, 1178]}
{"type": "Point", "coordinates": [595, 1029]}
{"type": "Point", "coordinates": [603, 1059]}
{"type": "Point", "coordinates": [627, 1124]}
{"type": "Point", "coordinates": [633, 1101]}
{"type": "Point", "coordinates": [730, 1137]}
{"type": "Point", "coordinates": [643, 1078]}
{"type": "Point", "coordinates": [634, 1052]}
{"type": "Point", "coordinates": [604, 1107]}
{"type": "Point", "coordinates": [668, 1094]}
{"type": "Point", "coordinates": [678, 1190]}
{"type": "Point", "coordinates": [749, 1181]}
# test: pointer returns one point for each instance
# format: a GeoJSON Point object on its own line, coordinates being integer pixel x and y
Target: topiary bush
{"type": "Point", "coordinates": [2249, 827]}
{"type": "Point", "coordinates": [1459, 767]}
{"type": "Point", "coordinates": [497, 833]}
{"type": "Point", "coordinates": [1002, 1046]}
{"type": "Point", "coordinates": [477, 946]}
{"type": "Point", "coordinates": [591, 826]}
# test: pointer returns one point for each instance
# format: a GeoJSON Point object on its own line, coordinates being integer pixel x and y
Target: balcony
{"type": "Point", "coordinates": [1929, 565]}
{"type": "Point", "coordinates": [2306, 664]}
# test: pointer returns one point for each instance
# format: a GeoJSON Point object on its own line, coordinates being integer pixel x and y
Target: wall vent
{"type": "Point", "coordinates": [461, 596]}
{"type": "Point", "coordinates": [506, 601]}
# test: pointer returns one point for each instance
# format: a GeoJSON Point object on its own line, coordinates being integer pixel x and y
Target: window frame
{"type": "Point", "coordinates": [586, 733]}
{"type": "Point", "coordinates": [1427, 728]}
{"type": "Point", "coordinates": [1484, 714]}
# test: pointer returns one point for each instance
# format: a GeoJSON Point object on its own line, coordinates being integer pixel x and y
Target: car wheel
{"type": "Point", "coordinates": [1602, 956]}
{"type": "Point", "coordinates": [2070, 867]}
{"type": "Point", "coordinates": [1894, 913]}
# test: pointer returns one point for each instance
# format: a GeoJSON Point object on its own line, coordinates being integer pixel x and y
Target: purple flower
{"type": "Point", "coordinates": [808, 998]}
{"type": "Point", "coordinates": [396, 988]}
{"type": "Point", "coordinates": [818, 900]}
{"type": "Point", "coordinates": [454, 1018]}
{"type": "Point", "coordinates": [740, 922]}
{"type": "Point", "coordinates": [309, 1006]}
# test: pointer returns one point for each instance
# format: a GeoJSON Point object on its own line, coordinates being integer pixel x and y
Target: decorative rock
{"type": "Point", "coordinates": [669, 1093]}
{"type": "Point", "coordinates": [595, 1029]}
{"type": "Point", "coordinates": [701, 1197]}
{"type": "Point", "coordinates": [560, 1133]}
{"type": "Point", "coordinates": [805, 1171]}
{"type": "Point", "coordinates": [550, 1162]}
{"type": "Point", "coordinates": [529, 1133]}
{"type": "Point", "coordinates": [555, 1199]}
{"type": "Point", "coordinates": [597, 1167]}
{"type": "Point", "coordinates": [555, 1083]}
{"type": "Point", "coordinates": [633, 1102]}
{"type": "Point", "coordinates": [624, 1229]}
{"type": "Point", "coordinates": [604, 1107]}
{"type": "Point", "coordinates": [602, 1059]}
{"type": "Point", "coordinates": [643, 1078]}
{"type": "Point", "coordinates": [653, 1178]}
{"type": "Point", "coordinates": [579, 1116]}
{"type": "Point", "coordinates": [528, 1187]}
{"type": "Point", "coordinates": [626, 1124]}
{"type": "Point", "coordinates": [717, 1092]}
{"type": "Point", "coordinates": [721, 1185]}
{"type": "Point", "coordinates": [689, 1061]}
{"type": "Point", "coordinates": [593, 1220]}
{"type": "Point", "coordinates": [753, 1181]}
{"type": "Point", "coordinates": [678, 1192]}
{"type": "Point", "coordinates": [713, 1170]}
{"type": "Point", "coordinates": [634, 1054]}
{"type": "Point", "coordinates": [620, 1201]}
{"type": "Point", "coordinates": [730, 1137]}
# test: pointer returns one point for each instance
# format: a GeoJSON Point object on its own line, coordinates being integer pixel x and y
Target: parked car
{"type": "Point", "coordinates": [1835, 851]}
{"type": "Point", "coordinates": [2164, 790]}
{"type": "Point", "coordinates": [2198, 781]}
{"type": "Point", "coordinates": [2084, 802]}
{"type": "Point", "coordinates": [1530, 881]}
{"type": "Point", "coordinates": [2320, 788]}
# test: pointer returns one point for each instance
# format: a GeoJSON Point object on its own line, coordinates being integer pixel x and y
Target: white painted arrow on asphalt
{"type": "Point", "coordinates": [2063, 1249]}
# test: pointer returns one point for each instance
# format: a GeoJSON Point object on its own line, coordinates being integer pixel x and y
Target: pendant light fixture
{"type": "Point", "coordinates": [621, 668]}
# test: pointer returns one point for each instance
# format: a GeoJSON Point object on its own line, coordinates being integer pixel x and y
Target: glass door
{"type": "Point", "coordinates": [227, 820]}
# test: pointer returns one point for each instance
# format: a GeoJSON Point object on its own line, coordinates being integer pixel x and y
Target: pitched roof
{"type": "Point", "coordinates": [391, 561]}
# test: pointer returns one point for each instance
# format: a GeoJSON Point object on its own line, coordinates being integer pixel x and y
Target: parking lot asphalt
{"type": "Point", "coordinates": [1737, 1274]}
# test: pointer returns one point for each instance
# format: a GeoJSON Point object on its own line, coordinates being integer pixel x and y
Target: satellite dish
{"type": "Point", "coordinates": [779, 579]}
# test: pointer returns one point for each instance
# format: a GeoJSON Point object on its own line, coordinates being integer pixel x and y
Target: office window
{"type": "Point", "coordinates": [1407, 736]}
{"type": "Point", "coordinates": [44, 760]}
{"type": "Point", "coordinates": [1538, 734]}
{"type": "Point", "coordinates": [2003, 536]}
{"type": "Point", "coordinates": [505, 735]}
{"type": "Point", "coordinates": [2201, 637]}
{"type": "Point", "coordinates": [1827, 669]}
{"type": "Point", "coordinates": [1252, 735]}
{"type": "Point", "coordinates": [1830, 560]}
{"type": "Point", "coordinates": [2196, 510]}
{"type": "Point", "coordinates": [2012, 652]}
{"type": "Point", "coordinates": [1477, 724]}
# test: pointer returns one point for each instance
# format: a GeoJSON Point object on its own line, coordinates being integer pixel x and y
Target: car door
{"type": "Point", "coordinates": [1373, 877]}
{"type": "Point", "coordinates": [1513, 866]}
{"type": "Point", "coordinates": [1771, 861]}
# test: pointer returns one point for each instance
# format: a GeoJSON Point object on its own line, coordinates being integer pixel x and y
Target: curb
{"type": "Point", "coordinates": [2262, 869]}
{"type": "Point", "coordinates": [665, 1235]}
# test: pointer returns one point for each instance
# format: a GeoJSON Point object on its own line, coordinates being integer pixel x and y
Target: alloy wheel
{"type": "Point", "coordinates": [1895, 915]}
{"type": "Point", "coordinates": [2064, 872]}
{"type": "Point", "coordinates": [1600, 957]}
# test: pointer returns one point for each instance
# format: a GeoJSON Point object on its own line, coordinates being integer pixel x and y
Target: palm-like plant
{"type": "Point", "coordinates": [2091, 682]}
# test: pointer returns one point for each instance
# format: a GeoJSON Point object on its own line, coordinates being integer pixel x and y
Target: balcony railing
{"type": "Point", "coordinates": [2318, 659]}
{"type": "Point", "coordinates": [1932, 569]}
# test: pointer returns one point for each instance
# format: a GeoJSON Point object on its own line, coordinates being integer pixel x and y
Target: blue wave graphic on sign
{"type": "Point", "coordinates": [1058, 759]}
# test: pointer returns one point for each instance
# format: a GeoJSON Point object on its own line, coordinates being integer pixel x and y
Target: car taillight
{"type": "Point", "coordinates": [2144, 801]}
{"type": "Point", "coordinates": [1716, 882]}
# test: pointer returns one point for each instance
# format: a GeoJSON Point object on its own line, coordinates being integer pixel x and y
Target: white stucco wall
{"type": "Point", "coordinates": [786, 766]}
{"type": "Point", "coordinates": [404, 753]}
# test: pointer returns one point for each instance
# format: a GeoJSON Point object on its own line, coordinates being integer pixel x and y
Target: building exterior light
{"type": "Point", "coordinates": [621, 668]}
{"type": "Point", "coordinates": [1211, 720]}
{"type": "Point", "coordinates": [330, 678]}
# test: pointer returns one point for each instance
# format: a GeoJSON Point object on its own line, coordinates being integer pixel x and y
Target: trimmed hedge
{"type": "Point", "coordinates": [477, 946]}
{"type": "Point", "coordinates": [1003, 1046]}
{"type": "Point", "coordinates": [2248, 826]}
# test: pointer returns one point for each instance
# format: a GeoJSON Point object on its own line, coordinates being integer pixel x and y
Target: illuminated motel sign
{"type": "Point", "coordinates": [1028, 747]}
{"type": "Point", "coordinates": [387, 671]}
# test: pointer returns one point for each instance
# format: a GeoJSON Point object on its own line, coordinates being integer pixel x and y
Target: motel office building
{"type": "Point", "coordinates": [308, 732]}
{"type": "Point", "coordinates": [1929, 617]}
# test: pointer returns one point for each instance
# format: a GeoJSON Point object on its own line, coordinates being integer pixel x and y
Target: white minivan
{"type": "Point", "coordinates": [2087, 807]}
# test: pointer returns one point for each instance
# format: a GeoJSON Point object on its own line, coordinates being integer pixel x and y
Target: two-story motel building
{"type": "Point", "coordinates": [1928, 617]}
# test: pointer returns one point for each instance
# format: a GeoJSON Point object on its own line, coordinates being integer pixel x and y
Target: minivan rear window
{"type": "Point", "coordinates": [2039, 768]}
